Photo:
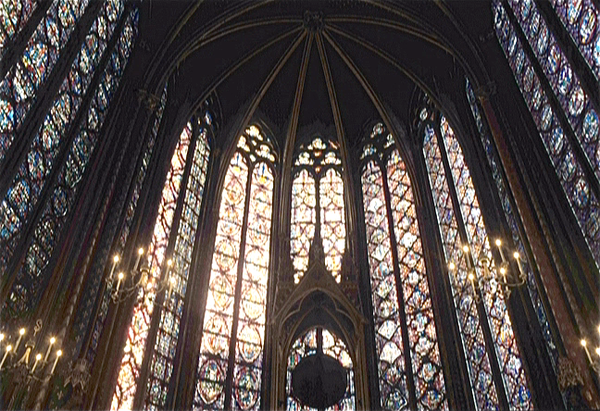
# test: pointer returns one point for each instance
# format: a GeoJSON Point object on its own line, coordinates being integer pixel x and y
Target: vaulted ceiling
{"type": "Point", "coordinates": [361, 59]}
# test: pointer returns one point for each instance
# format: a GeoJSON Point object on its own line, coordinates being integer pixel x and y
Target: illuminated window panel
{"type": "Point", "coordinates": [400, 214]}
{"type": "Point", "coordinates": [26, 187]}
{"type": "Point", "coordinates": [386, 316]}
{"type": "Point", "coordinates": [234, 318]}
{"type": "Point", "coordinates": [318, 201]}
{"type": "Point", "coordinates": [580, 18]}
{"type": "Point", "coordinates": [507, 350]}
{"type": "Point", "coordinates": [18, 90]}
{"type": "Point", "coordinates": [512, 219]}
{"type": "Point", "coordinates": [14, 15]}
{"type": "Point", "coordinates": [473, 342]}
{"type": "Point", "coordinates": [30, 279]}
{"type": "Point", "coordinates": [137, 334]}
{"type": "Point", "coordinates": [320, 340]}
{"type": "Point", "coordinates": [302, 231]}
{"type": "Point", "coordinates": [570, 173]}
{"type": "Point", "coordinates": [161, 364]}
{"type": "Point", "coordinates": [564, 81]}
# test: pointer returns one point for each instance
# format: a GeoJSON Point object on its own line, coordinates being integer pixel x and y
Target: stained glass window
{"type": "Point", "coordinates": [161, 364]}
{"type": "Point", "coordinates": [318, 201]}
{"type": "Point", "coordinates": [399, 287]}
{"type": "Point", "coordinates": [14, 14]}
{"type": "Point", "coordinates": [18, 90]}
{"type": "Point", "coordinates": [443, 152]}
{"type": "Point", "coordinates": [513, 222]}
{"type": "Point", "coordinates": [320, 340]}
{"type": "Point", "coordinates": [563, 79]}
{"type": "Point", "coordinates": [27, 185]}
{"type": "Point", "coordinates": [580, 17]}
{"type": "Point", "coordinates": [229, 368]}
{"type": "Point", "coordinates": [569, 170]}
{"type": "Point", "coordinates": [142, 313]}
{"type": "Point", "coordinates": [28, 284]}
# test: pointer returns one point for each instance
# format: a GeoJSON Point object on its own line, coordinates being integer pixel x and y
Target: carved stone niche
{"type": "Point", "coordinates": [317, 301]}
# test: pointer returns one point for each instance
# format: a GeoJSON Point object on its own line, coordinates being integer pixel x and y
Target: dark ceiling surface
{"type": "Point", "coordinates": [375, 54]}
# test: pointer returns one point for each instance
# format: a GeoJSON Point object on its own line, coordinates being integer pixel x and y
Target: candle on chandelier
{"type": "Point", "coordinates": [503, 272]}
{"type": "Point", "coordinates": [499, 245]}
{"type": "Point", "coordinates": [587, 352]}
{"type": "Point", "coordinates": [21, 334]}
{"type": "Point", "coordinates": [38, 357]}
{"type": "Point", "coordinates": [518, 258]}
{"type": "Point", "coordinates": [465, 249]}
{"type": "Point", "coordinates": [139, 258]}
{"type": "Point", "coordinates": [120, 278]}
{"type": "Point", "coordinates": [58, 354]}
{"type": "Point", "coordinates": [114, 266]}
{"type": "Point", "coordinates": [8, 349]}
{"type": "Point", "coordinates": [52, 341]}
{"type": "Point", "coordinates": [472, 280]}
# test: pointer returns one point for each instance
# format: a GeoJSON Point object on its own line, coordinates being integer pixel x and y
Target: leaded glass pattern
{"type": "Point", "coordinates": [580, 18]}
{"type": "Point", "coordinates": [564, 81]}
{"type": "Point", "coordinates": [505, 344]}
{"type": "Point", "coordinates": [513, 222]}
{"type": "Point", "coordinates": [570, 173]}
{"type": "Point", "coordinates": [27, 185]}
{"type": "Point", "coordinates": [478, 362]}
{"type": "Point", "coordinates": [400, 214]}
{"type": "Point", "coordinates": [233, 334]}
{"type": "Point", "coordinates": [137, 334]}
{"type": "Point", "coordinates": [29, 281]}
{"type": "Point", "coordinates": [317, 201]}
{"type": "Point", "coordinates": [304, 202]}
{"type": "Point", "coordinates": [163, 355]}
{"type": "Point", "coordinates": [14, 15]}
{"type": "Point", "coordinates": [18, 89]}
{"type": "Point", "coordinates": [320, 340]}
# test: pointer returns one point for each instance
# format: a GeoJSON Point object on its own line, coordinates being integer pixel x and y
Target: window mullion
{"type": "Point", "coordinates": [238, 292]}
{"type": "Point", "coordinates": [489, 341]}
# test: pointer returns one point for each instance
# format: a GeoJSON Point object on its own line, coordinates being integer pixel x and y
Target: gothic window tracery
{"type": "Point", "coordinates": [229, 369]}
{"type": "Point", "coordinates": [318, 203]}
{"type": "Point", "coordinates": [465, 241]}
{"type": "Point", "coordinates": [399, 287]}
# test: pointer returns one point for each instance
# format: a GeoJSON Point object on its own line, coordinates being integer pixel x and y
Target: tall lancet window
{"type": "Point", "coordinates": [71, 129]}
{"type": "Point", "coordinates": [465, 240]}
{"type": "Point", "coordinates": [169, 259]}
{"type": "Point", "coordinates": [410, 371]}
{"type": "Point", "coordinates": [572, 144]}
{"type": "Point", "coordinates": [229, 369]}
{"type": "Point", "coordinates": [318, 204]}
